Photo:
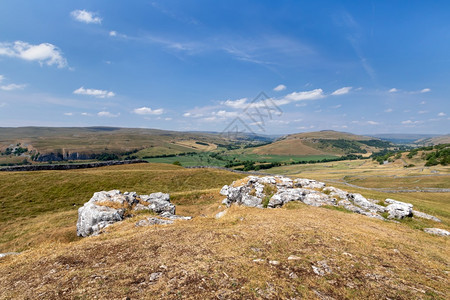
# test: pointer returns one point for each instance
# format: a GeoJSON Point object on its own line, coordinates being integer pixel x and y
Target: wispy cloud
{"type": "Point", "coordinates": [289, 98]}
{"type": "Point", "coordinates": [68, 114]}
{"type": "Point", "coordinates": [85, 16]}
{"type": "Point", "coordinates": [12, 86]}
{"type": "Point", "coordinates": [373, 123]}
{"type": "Point", "coordinates": [442, 114]}
{"type": "Point", "coordinates": [94, 93]}
{"type": "Point", "coordinates": [410, 122]}
{"type": "Point", "coordinates": [342, 91]}
{"type": "Point", "coordinates": [148, 111]}
{"type": "Point", "coordinates": [44, 53]}
{"type": "Point", "coordinates": [393, 90]}
{"type": "Point", "coordinates": [279, 88]}
{"type": "Point", "coordinates": [389, 110]}
{"type": "Point", "coordinates": [107, 114]}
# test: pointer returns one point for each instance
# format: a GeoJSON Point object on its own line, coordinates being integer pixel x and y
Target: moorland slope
{"type": "Point", "coordinates": [327, 142]}
{"type": "Point", "coordinates": [248, 253]}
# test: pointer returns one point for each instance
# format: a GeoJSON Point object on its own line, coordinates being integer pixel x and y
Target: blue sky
{"type": "Point", "coordinates": [358, 66]}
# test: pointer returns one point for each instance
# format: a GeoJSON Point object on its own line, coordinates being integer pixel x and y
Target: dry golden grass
{"type": "Point", "coordinates": [213, 258]}
{"type": "Point", "coordinates": [209, 258]}
{"type": "Point", "coordinates": [289, 147]}
{"type": "Point", "coordinates": [29, 199]}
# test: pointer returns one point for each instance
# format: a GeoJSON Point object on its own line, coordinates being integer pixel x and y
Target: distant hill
{"type": "Point", "coordinates": [403, 138]}
{"type": "Point", "coordinates": [437, 140]}
{"type": "Point", "coordinates": [74, 143]}
{"type": "Point", "coordinates": [327, 142]}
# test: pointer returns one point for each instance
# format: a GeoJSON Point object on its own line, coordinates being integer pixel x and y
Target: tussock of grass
{"type": "Point", "coordinates": [269, 190]}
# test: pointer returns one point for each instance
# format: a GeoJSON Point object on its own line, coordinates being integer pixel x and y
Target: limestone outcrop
{"type": "Point", "coordinates": [276, 191]}
{"type": "Point", "coordinates": [437, 231]}
{"type": "Point", "coordinates": [106, 208]}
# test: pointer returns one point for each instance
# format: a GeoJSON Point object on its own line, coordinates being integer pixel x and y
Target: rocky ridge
{"type": "Point", "coordinates": [107, 208]}
{"type": "Point", "coordinates": [275, 191]}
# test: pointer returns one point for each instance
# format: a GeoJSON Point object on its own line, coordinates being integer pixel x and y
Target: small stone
{"type": "Point", "coordinates": [153, 221]}
{"type": "Point", "coordinates": [258, 260]}
{"type": "Point", "coordinates": [155, 276]}
{"type": "Point", "coordinates": [221, 214]}
{"type": "Point", "coordinates": [274, 262]}
{"type": "Point", "coordinates": [294, 257]}
{"type": "Point", "coordinates": [321, 268]}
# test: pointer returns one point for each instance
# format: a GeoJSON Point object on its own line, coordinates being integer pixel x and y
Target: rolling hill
{"type": "Point", "coordinates": [327, 142]}
{"type": "Point", "coordinates": [436, 140]}
{"type": "Point", "coordinates": [72, 143]}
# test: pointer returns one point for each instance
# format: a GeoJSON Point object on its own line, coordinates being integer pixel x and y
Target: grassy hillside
{"type": "Point", "coordinates": [214, 258]}
{"type": "Point", "coordinates": [98, 139]}
{"type": "Point", "coordinates": [326, 142]}
{"type": "Point", "coordinates": [441, 139]}
{"type": "Point", "coordinates": [107, 143]}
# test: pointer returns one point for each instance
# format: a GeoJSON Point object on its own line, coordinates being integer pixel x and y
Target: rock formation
{"type": "Point", "coordinates": [275, 191]}
{"type": "Point", "coordinates": [106, 208]}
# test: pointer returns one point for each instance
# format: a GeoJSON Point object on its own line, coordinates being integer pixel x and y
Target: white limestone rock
{"type": "Point", "coordinates": [437, 231]}
{"type": "Point", "coordinates": [425, 216]}
{"type": "Point", "coordinates": [398, 210]}
{"type": "Point", "coordinates": [108, 207]}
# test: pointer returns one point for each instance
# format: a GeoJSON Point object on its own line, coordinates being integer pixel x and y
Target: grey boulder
{"type": "Point", "coordinates": [398, 210]}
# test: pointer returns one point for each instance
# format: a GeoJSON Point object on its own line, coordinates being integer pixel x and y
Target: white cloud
{"type": "Point", "coordinates": [188, 114]}
{"type": "Point", "coordinates": [113, 33]}
{"type": "Point", "coordinates": [336, 106]}
{"type": "Point", "coordinates": [239, 104]}
{"type": "Point", "coordinates": [373, 123]}
{"type": "Point", "coordinates": [168, 119]}
{"type": "Point", "coordinates": [279, 88]}
{"type": "Point", "coordinates": [442, 114]}
{"type": "Point", "coordinates": [425, 90]}
{"type": "Point", "coordinates": [44, 53]}
{"type": "Point", "coordinates": [393, 90]}
{"type": "Point", "coordinates": [389, 110]}
{"type": "Point", "coordinates": [68, 114]}
{"type": "Point", "coordinates": [12, 86]}
{"type": "Point", "coordinates": [423, 102]}
{"type": "Point", "coordinates": [226, 114]}
{"type": "Point", "coordinates": [409, 122]}
{"type": "Point", "coordinates": [86, 114]}
{"type": "Point", "coordinates": [210, 119]}
{"type": "Point", "coordinates": [148, 111]}
{"type": "Point", "coordinates": [422, 112]}
{"type": "Point", "coordinates": [342, 91]}
{"type": "Point", "coordinates": [107, 114]}
{"type": "Point", "coordinates": [308, 95]}
{"type": "Point", "coordinates": [85, 16]}
{"type": "Point", "coordinates": [94, 92]}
